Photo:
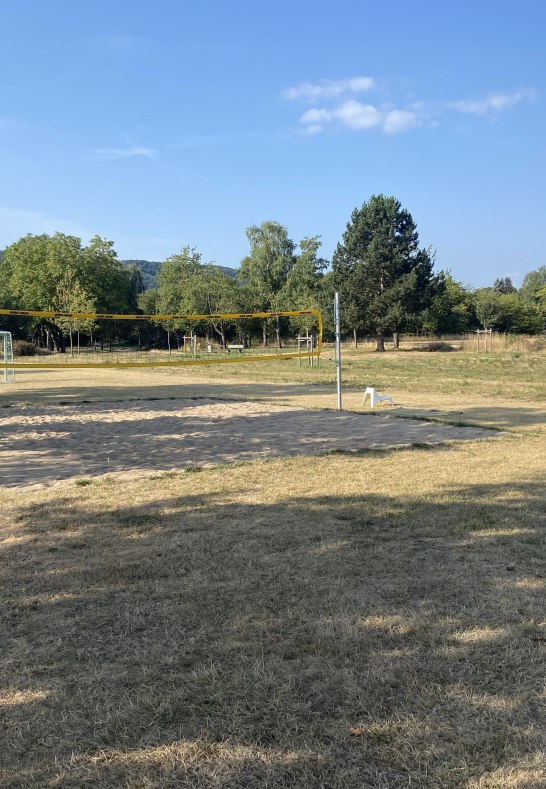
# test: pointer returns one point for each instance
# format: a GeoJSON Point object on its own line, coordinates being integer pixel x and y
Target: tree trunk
{"type": "Point", "coordinates": [355, 338]}
{"type": "Point", "coordinates": [264, 333]}
{"type": "Point", "coordinates": [396, 340]}
{"type": "Point", "coordinates": [71, 345]}
{"type": "Point", "coordinates": [278, 331]}
{"type": "Point", "coordinates": [380, 340]}
{"type": "Point", "coordinates": [220, 330]}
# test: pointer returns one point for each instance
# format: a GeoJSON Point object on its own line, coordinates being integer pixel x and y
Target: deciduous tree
{"type": "Point", "coordinates": [532, 282]}
{"type": "Point", "coordinates": [266, 268]}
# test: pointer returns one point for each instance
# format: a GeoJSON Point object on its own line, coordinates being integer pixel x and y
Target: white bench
{"type": "Point", "coordinates": [234, 347]}
{"type": "Point", "coordinates": [376, 397]}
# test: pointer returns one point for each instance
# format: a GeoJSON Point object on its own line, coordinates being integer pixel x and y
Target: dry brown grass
{"type": "Point", "coordinates": [498, 341]}
{"type": "Point", "coordinates": [231, 628]}
{"type": "Point", "coordinates": [466, 378]}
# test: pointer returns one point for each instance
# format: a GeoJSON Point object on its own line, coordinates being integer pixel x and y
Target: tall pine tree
{"type": "Point", "coordinates": [385, 281]}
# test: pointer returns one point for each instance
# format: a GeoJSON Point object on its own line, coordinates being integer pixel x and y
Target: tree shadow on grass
{"type": "Point", "coordinates": [506, 417]}
{"type": "Point", "coordinates": [491, 417]}
{"type": "Point", "coordinates": [201, 640]}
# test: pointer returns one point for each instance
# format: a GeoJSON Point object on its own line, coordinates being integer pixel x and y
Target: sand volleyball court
{"type": "Point", "coordinates": [44, 445]}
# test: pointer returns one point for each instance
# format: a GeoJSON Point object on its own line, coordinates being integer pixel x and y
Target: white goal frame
{"type": "Point", "coordinates": [6, 358]}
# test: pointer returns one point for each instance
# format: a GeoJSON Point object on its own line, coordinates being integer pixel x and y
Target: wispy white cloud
{"type": "Point", "coordinates": [315, 116]}
{"type": "Point", "coordinates": [313, 128]}
{"type": "Point", "coordinates": [494, 103]}
{"type": "Point", "coordinates": [344, 111]}
{"type": "Point", "coordinates": [125, 153]}
{"type": "Point", "coordinates": [339, 109]}
{"type": "Point", "coordinates": [314, 91]}
{"type": "Point", "coordinates": [355, 115]}
{"type": "Point", "coordinates": [397, 121]}
{"type": "Point", "coordinates": [358, 116]}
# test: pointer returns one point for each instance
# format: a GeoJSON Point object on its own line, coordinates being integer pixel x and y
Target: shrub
{"type": "Point", "coordinates": [24, 348]}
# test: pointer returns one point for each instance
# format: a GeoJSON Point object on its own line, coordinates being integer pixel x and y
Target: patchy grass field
{"type": "Point", "coordinates": [466, 377]}
{"type": "Point", "coordinates": [343, 621]}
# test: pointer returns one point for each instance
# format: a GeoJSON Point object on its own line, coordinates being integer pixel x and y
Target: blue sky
{"type": "Point", "coordinates": [160, 124]}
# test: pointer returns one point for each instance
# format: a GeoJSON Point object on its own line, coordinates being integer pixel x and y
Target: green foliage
{"type": "Point", "coordinates": [266, 268]}
{"type": "Point", "coordinates": [215, 292]}
{"type": "Point", "coordinates": [136, 286]}
{"type": "Point", "coordinates": [519, 316]}
{"type": "Point", "coordinates": [304, 278]}
{"type": "Point", "coordinates": [186, 285]}
{"type": "Point", "coordinates": [488, 308]}
{"type": "Point", "coordinates": [507, 312]}
{"type": "Point", "coordinates": [148, 301]}
{"type": "Point", "coordinates": [71, 297]}
{"type": "Point", "coordinates": [451, 310]}
{"type": "Point", "coordinates": [533, 282]}
{"type": "Point", "coordinates": [103, 277]}
{"type": "Point", "coordinates": [504, 285]}
{"type": "Point", "coordinates": [149, 269]}
{"type": "Point", "coordinates": [540, 301]}
{"type": "Point", "coordinates": [57, 272]}
{"type": "Point", "coordinates": [385, 281]}
{"type": "Point", "coordinates": [304, 283]}
{"type": "Point", "coordinates": [34, 266]}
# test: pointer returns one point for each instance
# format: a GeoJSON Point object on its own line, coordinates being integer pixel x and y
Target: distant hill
{"type": "Point", "coordinates": [150, 270]}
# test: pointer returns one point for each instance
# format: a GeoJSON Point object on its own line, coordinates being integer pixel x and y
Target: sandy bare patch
{"type": "Point", "coordinates": [45, 445]}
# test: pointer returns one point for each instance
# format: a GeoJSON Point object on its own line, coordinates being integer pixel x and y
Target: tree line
{"type": "Point", "coordinates": [386, 280]}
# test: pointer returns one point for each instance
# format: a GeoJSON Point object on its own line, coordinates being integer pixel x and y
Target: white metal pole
{"type": "Point", "coordinates": [338, 349]}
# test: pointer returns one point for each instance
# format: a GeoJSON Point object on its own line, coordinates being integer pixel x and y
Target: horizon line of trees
{"type": "Point", "coordinates": [387, 284]}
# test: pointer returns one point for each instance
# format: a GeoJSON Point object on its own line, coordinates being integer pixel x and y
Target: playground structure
{"type": "Point", "coordinates": [6, 357]}
{"type": "Point", "coordinates": [308, 343]}
{"type": "Point", "coordinates": [487, 333]}
{"type": "Point", "coordinates": [190, 345]}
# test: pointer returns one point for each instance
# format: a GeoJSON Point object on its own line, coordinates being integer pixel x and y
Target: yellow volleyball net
{"type": "Point", "coordinates": [88, 340]}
